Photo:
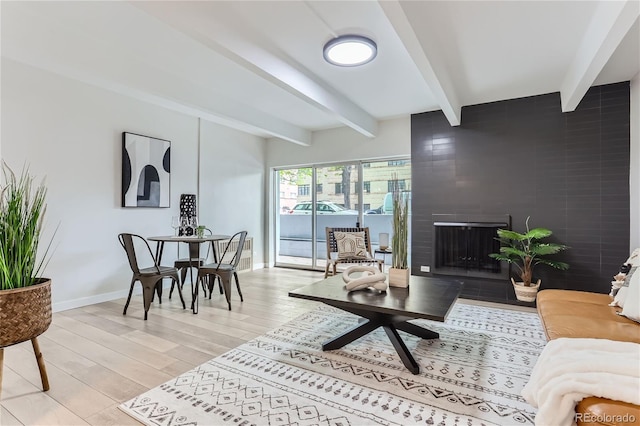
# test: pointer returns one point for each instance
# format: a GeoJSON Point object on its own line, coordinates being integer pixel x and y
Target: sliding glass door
{"type": "Point", "coordinates": [337, 203]}
{"type": "Point", "coordinates": [336, 195]}
{"type": "Point", "coordinates": [294, 242]}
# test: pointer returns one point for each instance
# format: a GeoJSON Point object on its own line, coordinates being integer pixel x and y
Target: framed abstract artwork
{"type": "Point", "coordinates": [146, 171]}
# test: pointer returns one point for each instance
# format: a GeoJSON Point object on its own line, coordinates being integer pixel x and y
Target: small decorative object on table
{"type": "Point", "coordinates": [175, 224]}
{"type": "Point", "coordinates": [383, 241]}
{"type": "Point", "coordinates": [371, 277]}
{"type": "Point", "coordinates": [200, 231]}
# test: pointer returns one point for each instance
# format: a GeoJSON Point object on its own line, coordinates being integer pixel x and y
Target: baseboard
{"type": "Point", "coordinates": [106, 297]}
{"type": "Point", "coordinates": [99, 298]}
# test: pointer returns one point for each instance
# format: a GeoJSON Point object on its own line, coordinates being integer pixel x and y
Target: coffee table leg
{"type": "Point", "coordinates": [417, 330]}
{"type": "Point", "coordinates": [401, 349]}
{"type": "Point", "coordinates": [350, 335]}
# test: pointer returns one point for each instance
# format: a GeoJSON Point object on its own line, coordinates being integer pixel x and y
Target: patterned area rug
{"type": "Point", "coordinates": [471, 375]}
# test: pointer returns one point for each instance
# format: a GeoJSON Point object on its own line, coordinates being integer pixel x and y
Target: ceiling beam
{"type": "Point", "coordinates": [610, 24]}
{"type": "Point", "coordinates": [240, 43]}
{"type": "Point", "coordinates": [273, 67]}
{"type": "Point", "coordinates": [21, 44]}
{"type": "Point", "coordinates": [430, 65]}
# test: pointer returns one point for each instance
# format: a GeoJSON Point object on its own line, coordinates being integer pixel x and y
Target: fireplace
{"type": "Point", "coordinates": [463, 248]}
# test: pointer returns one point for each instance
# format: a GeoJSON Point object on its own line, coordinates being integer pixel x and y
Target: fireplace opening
{"type": "Point", "coordinates": [463, 248]}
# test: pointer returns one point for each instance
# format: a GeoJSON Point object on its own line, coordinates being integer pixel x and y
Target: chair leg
{"type": "Point", "coordinates": [178, 283]}
{"type": "Point", "coordinates": [226, 283]}
{"type": "Point", "coordinates": [175, 281]}
{"type": "Point", "coordinates": [159, 291]}
{"type": "Point", "coordinates": [126, 305]}
{"type": "Point", "coordinates": [148, 288]}
{"type": "Point", "coordinates": [41, 366]}
{"type": "Point", "coordinates": [183, 276]}
{"type": "Point", "coordinates": [211, 283]}
{"type": "Point", "coordinates": [235, 275]}
{"type": "Point", "coordinates": [204, 285]}
{"type": "Point", "coordinates": [326, 270]}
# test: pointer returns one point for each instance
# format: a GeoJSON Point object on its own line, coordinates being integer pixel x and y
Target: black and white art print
{"type": "Point", "coordinates": [146, 171]}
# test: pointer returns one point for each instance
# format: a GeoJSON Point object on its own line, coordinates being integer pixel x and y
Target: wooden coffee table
{"type": "Point", "coordinates": [426, 297]}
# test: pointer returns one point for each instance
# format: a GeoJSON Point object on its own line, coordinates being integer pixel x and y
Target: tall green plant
{"type": "Point", "coordinates": [526, 250]}
{"type": "Point", "coordinates": [22, 209]}
{"type": "Point", "coordinates": [400, 227]}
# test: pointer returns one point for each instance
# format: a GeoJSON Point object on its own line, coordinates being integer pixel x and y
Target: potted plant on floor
{"type": "Point", "coordinates": [25, 298]}
{"type": "Point", "coordinates": [525, 251]}
{"type": "Point", "coordinates": [399, 271]}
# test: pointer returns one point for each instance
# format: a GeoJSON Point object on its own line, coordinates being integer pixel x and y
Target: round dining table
{"type": "Point", "coordinates": [194, 253]}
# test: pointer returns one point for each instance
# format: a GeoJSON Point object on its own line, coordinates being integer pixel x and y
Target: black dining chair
{"type": "Point", "coordinates": [183, 265]}
{"type": "Point", "coordinates": [150, 277]}
{"type": "Point", "coordinates": [225, 269]}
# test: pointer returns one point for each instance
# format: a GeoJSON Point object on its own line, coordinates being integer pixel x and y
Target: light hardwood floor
{"type": "Point", "coordinates": [97, 358]}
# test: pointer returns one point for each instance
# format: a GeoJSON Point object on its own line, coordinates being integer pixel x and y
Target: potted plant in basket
{"type": "Point", "coordinates": [25, 298]}
{"type": "Point", "coordinates": [399, 271]}
{"type": "Point", "coordinates": [525, 251]}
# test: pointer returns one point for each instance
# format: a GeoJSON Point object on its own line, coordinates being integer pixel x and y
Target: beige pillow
{"type": "Point", "coordinates": [351, 245]}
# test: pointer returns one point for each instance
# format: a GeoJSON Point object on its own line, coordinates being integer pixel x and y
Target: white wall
{"type": "Point", "coordinates": [634, 176]}
{"type": "Point", "coordinates": [232, 178]}
{"type": "Point", "coordinates": [71, 133]}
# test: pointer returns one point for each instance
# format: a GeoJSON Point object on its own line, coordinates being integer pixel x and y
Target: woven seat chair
{"type": "Point", "coordinates": [332, 251]}
{"type": "Point", "coordinates": [151, 277]}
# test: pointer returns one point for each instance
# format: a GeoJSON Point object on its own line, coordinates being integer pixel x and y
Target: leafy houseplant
{"type": "Point", "coordinates": [525, 251]}
{"type": "Point", "coordinates": [25, 298]}
{"type": "Point", "coordinates": [399, 271]}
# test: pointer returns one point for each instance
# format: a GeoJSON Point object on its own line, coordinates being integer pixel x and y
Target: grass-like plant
{"type": "Point", "coordinates": [526, 251]}
{"type": "Point", "coordinates": [22, 209]}
{"type": "Point", "coordinates": [399, 242]}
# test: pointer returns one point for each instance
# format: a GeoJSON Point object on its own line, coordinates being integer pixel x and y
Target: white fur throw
{"type": "Point", "coordinates": [570, 370]}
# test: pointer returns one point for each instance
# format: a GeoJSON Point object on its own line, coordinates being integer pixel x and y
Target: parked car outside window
{"type": "Point", "coordinates": [387, 204]}
{"type": "Point", "coordinates": [322, 207]}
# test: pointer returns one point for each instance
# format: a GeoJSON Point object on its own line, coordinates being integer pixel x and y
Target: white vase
{"type": "Point", "coordinates": [398, 277]}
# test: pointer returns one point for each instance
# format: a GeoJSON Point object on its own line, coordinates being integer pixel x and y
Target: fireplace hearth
{"type": "Point", "coordinates": [463, 248]}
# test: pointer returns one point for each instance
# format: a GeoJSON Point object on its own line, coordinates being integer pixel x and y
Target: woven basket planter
{"type": "Point", "coordinates": [25, 313]}
{"type": "Point", "coordinates": [524, 293]}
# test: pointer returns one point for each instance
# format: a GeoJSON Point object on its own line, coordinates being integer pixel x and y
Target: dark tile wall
{"type": "Point", "coordinates": [524, 157]}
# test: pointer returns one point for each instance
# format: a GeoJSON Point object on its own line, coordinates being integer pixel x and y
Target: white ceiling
{"type": "Point", "coordinates": [258, 66]}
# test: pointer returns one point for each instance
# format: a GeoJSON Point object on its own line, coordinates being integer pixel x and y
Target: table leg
{"type": "Point", "coordinates": [416, 330]}
{"type": "Point", "coordinates": [350, 335]}
{"type": "Point", "coordinates": [401, 349]}
{"type": "Point", "coordinates": [369, 321]}
{"type": "Point", "coordinates": [159, 250]}
{"type": "Point", "coordinates": [194, 298]}
{"type": "Point", "coordinates": [215, 253]}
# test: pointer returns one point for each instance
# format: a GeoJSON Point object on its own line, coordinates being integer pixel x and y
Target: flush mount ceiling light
{"type": "Point", "coordinates": [350, 50]}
